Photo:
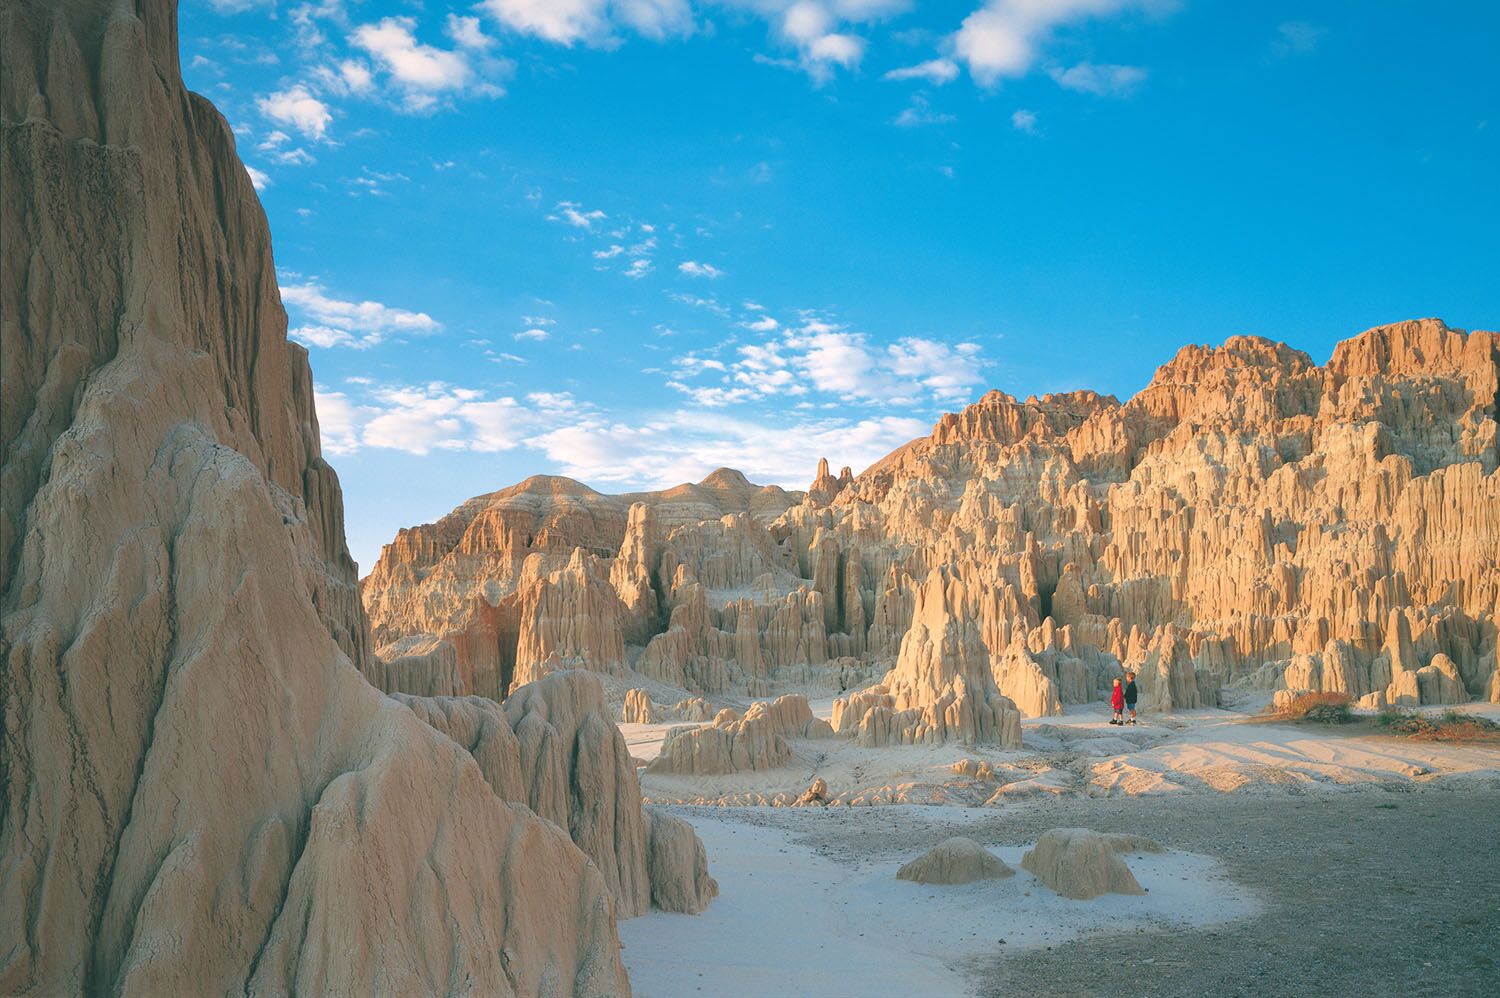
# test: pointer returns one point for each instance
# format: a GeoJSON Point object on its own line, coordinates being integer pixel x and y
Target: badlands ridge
{"type": "Point", "coordinates": [206, 790]}
{"type": "Point", "coordinates": [1250, 518]}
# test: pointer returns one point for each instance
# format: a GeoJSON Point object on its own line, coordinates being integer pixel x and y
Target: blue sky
{"type": "Point", "coordinates": [633, 241]}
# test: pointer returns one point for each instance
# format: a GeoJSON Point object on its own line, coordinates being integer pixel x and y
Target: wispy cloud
{"type": "Point", "coordinates": [572, 213]}
{"type": "Point", "coordinates": [1100, 80]}
{"type": "Point", "coordinates": [934, 71]}
{"type": "Point", "coordinates": [334, 321]}
{"type": "Point", "coordinates": [1296, 38]}
{"type": "Point", "coordinates": [919, 112]}
{"type": "Point", "coordinates": [684, 446]}
{"type": "Point", "coordinates": [693, 268]}
{"type": "Point", "coordinates": [568, 22]}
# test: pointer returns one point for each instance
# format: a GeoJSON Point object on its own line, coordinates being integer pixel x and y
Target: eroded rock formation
{"type": "Point", "coordinates": [677, 864]}
{"type": "Point", "coordinates": [196, 774]}
{"type": "Point", "coordinates": [1082, 864]}
{"type": "Point", "coordinates": [733, 743]}
{"type": "Point", "coordinates": [638, 708]}
{"type": "Point", "coordinates": [955, 861]}
{"type": "Point", "coordinates": [1246, 509]}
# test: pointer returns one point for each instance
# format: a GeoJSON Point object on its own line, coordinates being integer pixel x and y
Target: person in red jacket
{"type": "Point", "coordinates": [1117, 701]}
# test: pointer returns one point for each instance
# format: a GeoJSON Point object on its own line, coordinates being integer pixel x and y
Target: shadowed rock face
{"type": "Point", "coordinates": [1249, 515]}
{"type": "Point", "coordinates": [202, 794]}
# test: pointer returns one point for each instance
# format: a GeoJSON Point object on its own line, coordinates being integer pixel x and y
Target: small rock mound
{"type": "Point", "coordinates": [1081, 864]}
{"type": "Point", "coordinates": [693, 709]}
{"type": "Point", "coordinates": [955, 861]}
{"type": "Point", "coordinates": [638, 708]}
{"type": "Point", "coordinates": [816, 795]}
{"type": "Point", "coordinates": [977, 769]}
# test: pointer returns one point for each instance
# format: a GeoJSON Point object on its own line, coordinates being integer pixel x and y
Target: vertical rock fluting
{"type": "Point", "coordinates": [1246, 507]}
{"type": "Point", "coordinates": [202, 793]}
{"type": "Point", "coordinates": [941, 688]}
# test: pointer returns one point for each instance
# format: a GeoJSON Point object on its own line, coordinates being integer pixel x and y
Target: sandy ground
{"type": "Point", "coordinates": [1302, 859]}
{"type": "Point", "coordinates": [798, 917]}
{"type": "Point", "coordinates": [1379, 891]}
{"type": "Point", "coordinates": [1081, 754]}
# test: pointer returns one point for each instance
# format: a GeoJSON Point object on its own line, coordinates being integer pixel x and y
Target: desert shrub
{"type": "Point", "coordinates": [1449, 726]}
{"type": "Point", "coordinates": [1328, 708]}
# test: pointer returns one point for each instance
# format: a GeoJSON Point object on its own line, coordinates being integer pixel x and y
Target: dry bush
{"type": "Point", "coordinates": [1329, 708]}
{"type": "Point", "coordinates": [1450, 726]}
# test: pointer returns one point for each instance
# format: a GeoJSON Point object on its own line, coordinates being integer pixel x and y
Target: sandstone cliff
{"type": "Point", "coordinates": [1246, 508]}
{"type": "Point", "coordinates": [202, 794]}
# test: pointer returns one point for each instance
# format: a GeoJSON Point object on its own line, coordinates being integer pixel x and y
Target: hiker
{"type": "Point", "coordinates": [1131, 694]}
{"type": "Point", "coordinates": [1117, 701]}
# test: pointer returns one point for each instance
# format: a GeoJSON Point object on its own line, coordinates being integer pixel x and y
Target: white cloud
{"type": "Point", "coordinates": [714, 397]}
{"type": "Point", "coordinates": [562, 21]}
{"type": "Point", "coordinates": [763, 368]}
{"type": "Point", "coordinates": [531, 334]}
{"type": "Point", "coordinates": [567, 22]}
{"type": "Point", "coordinates": [919, 112]}
{"type": "Point", "coordinates": [364, 323]}
{"type": "Point", "coordinates": [573, 213]}
{"type": "Point", "coordinates": [764, 324]}
{"type": "Point", "coordinates": [638, 268]}
{"type": "Point", "coordinates": [438, 416]}
{"type": "Point", "coordinates": [467, 32]}
{"type": "Point", "coordinates": [685, 446]}
{"type": "Point", "coordinates": [948, 372]}
{"type": "Point", "coordinates": [1101, 80]}
{"type": "Point", "coordinates": [321, 336]}
{"type": "Point", "coordinates": [710, 304]}
{"type": "Point", "coordinates": [554, 401]}
{"type": "Point", "coordinates": [693, 268]}
{"type": "Point", "coordinates": [609, 252]}
{"type": "Point", "coordinates": [356, 76]}
{"type": "Point", "coordinates": [935, 71]}
{"type": "Point", "coordinates": [349, 77]}
{"type": "Point", "coordinates": [832, 360]}
{"type": "Point", "coordinates": [1001, 39]}
{"type": "Point", "coordinates": [238, 6]}
{"type": "Point", "coordinates": [297, 108]}
{"type": "Point", "coordinates": [809, 26]}
{"type": "Point", "coordinates": [1024, 120]}
{"type": "Point", "coordinates": [338, 421]}
{"type": "Point", "coordinates": [412, 64]}
{"type": "Point", "coordinates": [258, 178]}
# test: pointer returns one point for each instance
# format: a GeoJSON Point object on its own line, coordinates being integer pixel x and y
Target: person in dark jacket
{"type": "Point", "coordinates": [1131, 694]}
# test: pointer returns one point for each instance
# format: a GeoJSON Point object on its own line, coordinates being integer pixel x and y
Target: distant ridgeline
{"type": "Point", "coordinates": [1249, 516]}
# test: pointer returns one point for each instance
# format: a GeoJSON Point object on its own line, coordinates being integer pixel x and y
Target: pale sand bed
{"type": "Point", "coordinates": [1387, 889]}
{"type": "Point", "coordinates": [801, 913]}
{"type": "Point", "coordinates": [1081, 754]}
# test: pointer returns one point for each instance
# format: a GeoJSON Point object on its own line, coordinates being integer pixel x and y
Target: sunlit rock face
{"type": "Point", "coordinates": [1247, 507]}
{"type": "Point", "coordinates": [203, 795]}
